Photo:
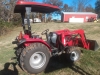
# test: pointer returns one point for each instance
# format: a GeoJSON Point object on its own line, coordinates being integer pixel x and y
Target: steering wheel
{"type": "Point", "coordinates": [45, 31]}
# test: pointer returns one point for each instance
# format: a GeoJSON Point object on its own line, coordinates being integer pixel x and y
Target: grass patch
{"type": "Point", "coordinates": [89, 63]}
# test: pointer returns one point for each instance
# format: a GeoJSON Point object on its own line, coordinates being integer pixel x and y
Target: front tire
{"type": "Point", "coordinates": [73, 54]}
{"type": "Point", "coordinates": [35, 58]}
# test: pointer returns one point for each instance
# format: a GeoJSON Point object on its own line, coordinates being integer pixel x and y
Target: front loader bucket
{"type": "Point", "coordinates": [93, 45]}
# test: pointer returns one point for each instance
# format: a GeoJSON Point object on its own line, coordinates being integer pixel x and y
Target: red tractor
{"type": "Point", "coordinates": [33, 53]}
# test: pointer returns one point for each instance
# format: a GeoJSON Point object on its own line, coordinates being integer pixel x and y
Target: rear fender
{"type": "Point", "coordinates": [27, 42]}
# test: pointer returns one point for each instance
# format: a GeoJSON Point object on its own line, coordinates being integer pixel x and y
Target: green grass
{"type": "Point", "coordinates": [89, 63]}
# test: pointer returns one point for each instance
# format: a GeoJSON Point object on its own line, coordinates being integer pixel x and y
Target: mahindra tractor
{"type": "Point", "coordinates": [33, 53]}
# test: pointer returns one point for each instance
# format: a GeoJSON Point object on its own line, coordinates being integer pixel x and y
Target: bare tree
{"type": "Point", "coordinates": [58, 3]}
{"type": "Point", "coordinates": [2, 10]}
{"type": "Point", "coordinates": [97, 7]}
{"type": "Point", "coordinates": [67, 8]}
{"type": "Point", "coordinates": [11, 5]}
{"type": "Point", "coordinates": [7, 7]}
{"type": "Point", "coordinates": [79, 5]}
{"type": "Point", "coordinates": [89, 8]}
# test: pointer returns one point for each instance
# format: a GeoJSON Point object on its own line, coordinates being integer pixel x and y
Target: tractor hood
{"type": "Point", "coordinates": [36, 7]}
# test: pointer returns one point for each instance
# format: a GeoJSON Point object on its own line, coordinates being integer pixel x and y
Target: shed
{"type": "Point", "coordinates": [78, 17]}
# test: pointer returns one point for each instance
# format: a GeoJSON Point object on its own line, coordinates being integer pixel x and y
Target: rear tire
{"type": "Point", "coordinates": [73, 54]}
{"type": "Point", "coordinates": [35, 58]}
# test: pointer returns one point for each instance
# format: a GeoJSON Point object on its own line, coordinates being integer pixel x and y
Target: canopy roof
{"type": "Point", "coordinates": [36, 7]}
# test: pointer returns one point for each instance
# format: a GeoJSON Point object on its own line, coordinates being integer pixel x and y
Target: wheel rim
{"type": "Point", "coordinates": [37, 60]}
{"type": "Point", "coordinates": [74, 56]}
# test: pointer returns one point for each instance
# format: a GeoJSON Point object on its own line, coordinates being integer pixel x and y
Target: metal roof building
{"type": "Point", "coordinates": [78, 17]}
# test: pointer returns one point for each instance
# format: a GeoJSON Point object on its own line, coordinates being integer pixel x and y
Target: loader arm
{"type": "Point", "coordinates": [82, 42]}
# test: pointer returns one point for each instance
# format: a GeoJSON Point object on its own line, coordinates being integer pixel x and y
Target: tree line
{"type": "Point", "coordinates": [7, 17]}
{"type": "Point", "coordinates": [7, 7]}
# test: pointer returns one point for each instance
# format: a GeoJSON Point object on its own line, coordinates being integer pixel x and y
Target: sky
{"type": "Point", "coordinates": [69, 2]}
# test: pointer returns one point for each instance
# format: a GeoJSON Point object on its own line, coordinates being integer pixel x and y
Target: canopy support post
{"type": "Point", "coordinates": [28, 11]}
